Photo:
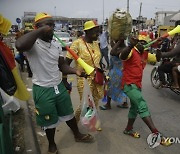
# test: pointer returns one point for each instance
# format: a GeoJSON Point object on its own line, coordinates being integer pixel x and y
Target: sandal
{"type": "Point", "coordinates": [166, 141]}
{"type": "Point", "coordinates": [104, 107]}
{"type": "Point", "coordinates": [87, 138]}
{"type": "Point", "coordinates": [132, 133]}
{"type": "Point", "coordinates": [99, 129]}
{"type": "Point", "coordinates": [123, 106]}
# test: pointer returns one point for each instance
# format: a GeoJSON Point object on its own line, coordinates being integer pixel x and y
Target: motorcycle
{"type": "Point", "coordinates": [156, 83]}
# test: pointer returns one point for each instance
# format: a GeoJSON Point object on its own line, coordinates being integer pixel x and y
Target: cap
{"type": "Point", "coordinates": [90, 24]}
{"type": "Point", "coordinates": [144, 36]}
{"type": "Point", "coordinates": [41, 16]}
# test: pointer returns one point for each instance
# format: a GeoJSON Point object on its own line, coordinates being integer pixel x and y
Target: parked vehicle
{"type": "Point", "coordinates": [65, 37]}
{"type": "Point", "coordinates": [156, 83]}
{"type": "Point", "coordinates": [164, 29]}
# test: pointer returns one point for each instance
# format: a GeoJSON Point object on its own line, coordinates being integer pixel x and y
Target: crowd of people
{"type": "Point", "coordinates": [49, 69]}
{"type": "Point", "coordinates": [125, 67]}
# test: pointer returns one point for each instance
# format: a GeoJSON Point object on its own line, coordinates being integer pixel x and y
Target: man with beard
{"type": "Point", "coordinates": [52, 101]}
{"type": "Point", "coordinates": [87, 48]}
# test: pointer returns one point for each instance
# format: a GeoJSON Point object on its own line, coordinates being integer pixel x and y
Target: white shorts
{"type": "Point", "coordinates": [178, 68]}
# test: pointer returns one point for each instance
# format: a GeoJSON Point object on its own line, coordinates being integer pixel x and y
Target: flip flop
{"type": "Point", "coordinates": [166, 142]}
{"type": "Point", "coordinates": [85, 139]}
{"type": "Point", "coordinates": [132, 133]}
{"type": "Point", "coordinates": [104, 107]}
{"type": "Point", "coordinates": [99, 129]}
{"type": "Point", "coordinates": [123, 106]}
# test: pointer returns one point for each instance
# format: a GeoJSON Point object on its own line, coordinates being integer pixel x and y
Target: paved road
{"type": "Point", "coordinates": [164, 106]}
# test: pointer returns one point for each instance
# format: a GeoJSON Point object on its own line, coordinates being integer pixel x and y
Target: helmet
{"type": "Point", "coordinates": [144, 36]}
{"type": "Point", "coordinates": [41, 16]}
{"type": "Point", "coordinates": [90, 24]}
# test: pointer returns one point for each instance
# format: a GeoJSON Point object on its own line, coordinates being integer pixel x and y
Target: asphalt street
{"type": "Point", "coordinates": [164, 106]}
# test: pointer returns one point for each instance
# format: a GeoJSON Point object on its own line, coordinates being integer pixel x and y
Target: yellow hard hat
{"type": "Point", "coordinates": [90, 24]}
{"type": "Point", "coordinates": [41, 16]}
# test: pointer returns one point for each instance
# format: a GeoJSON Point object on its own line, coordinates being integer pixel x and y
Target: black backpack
{"type": "Point", "coordinates": [7, 81]}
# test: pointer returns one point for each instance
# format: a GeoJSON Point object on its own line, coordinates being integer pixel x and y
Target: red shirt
{"type": "Point", "coordinates": [133, 68]}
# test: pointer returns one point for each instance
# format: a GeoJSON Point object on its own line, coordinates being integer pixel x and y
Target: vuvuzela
{"type": "Point", "coordinates": [170, 33]}
{"type": "Point", "coordinates": [86, 67]}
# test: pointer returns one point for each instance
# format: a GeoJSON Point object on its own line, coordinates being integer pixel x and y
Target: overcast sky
{"type": "Point", "coordinates": [12, 9]}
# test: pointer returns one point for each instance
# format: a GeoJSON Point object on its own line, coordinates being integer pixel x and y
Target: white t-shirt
{"type": "Point", "coordinates": [43, 59]}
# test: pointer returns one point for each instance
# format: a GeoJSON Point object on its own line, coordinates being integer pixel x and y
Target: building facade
{"type": "Point", "coordinates": [62, 23]}
{"type": "Point", "coordinates": [161, 15]}
{"type": "Point", "coordinates": [172, 19]}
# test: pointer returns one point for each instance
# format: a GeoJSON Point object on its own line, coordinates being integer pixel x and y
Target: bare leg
{"type": "Point", "coordinates": [107, 106]}
{"type": "Point", "coordinates": [50, 133]}
{"type": "Point", "coordinates": [124, 104]}
{"type": "Point", "coordinates": [130, 124]}
{"type": "Point", "coordinates": [77, 135]}
{"type": "Point", "coordinates": [73, 125]}
{"type": "Point", "coordinates": [150, 124]}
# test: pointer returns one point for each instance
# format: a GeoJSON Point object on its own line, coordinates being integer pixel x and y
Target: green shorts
{"type": "Point", "coordinates": [50, 105]}
{"type": "Point", "coordinates": [138, 104]}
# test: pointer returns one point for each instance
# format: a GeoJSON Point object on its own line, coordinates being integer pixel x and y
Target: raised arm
{"type": "Point", "coordinates": [125, 52]}
{"type": "Point", "coordinates": [25, 42]}
{"type": "Point", "coordinates": [114, 50]}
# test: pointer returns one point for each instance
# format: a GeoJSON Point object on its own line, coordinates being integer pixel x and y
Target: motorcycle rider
{"type": "Point", "coordinates": [168, 67]}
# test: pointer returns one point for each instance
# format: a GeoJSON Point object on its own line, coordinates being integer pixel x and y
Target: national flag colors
{"type": "Point", "coordinates": [21, 91]}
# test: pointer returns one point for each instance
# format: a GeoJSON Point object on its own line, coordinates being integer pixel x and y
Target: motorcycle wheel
{"type": "Point", "coordinates": [156, 83]}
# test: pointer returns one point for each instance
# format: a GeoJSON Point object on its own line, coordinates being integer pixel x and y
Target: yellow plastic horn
{"type": "Point", "coordinates": [170, 33]}
{"type": "Point", "coordinates": [175, 30]}
{"type": "Point", "coordinates": [87, 67]}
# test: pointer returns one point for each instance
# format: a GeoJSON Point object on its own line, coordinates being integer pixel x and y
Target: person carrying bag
{"type": "Point", "coordinates": [99, 73]}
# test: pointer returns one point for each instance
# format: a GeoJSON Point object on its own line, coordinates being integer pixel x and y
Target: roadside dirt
{"type": "Point", "coordinates": [18, 132]}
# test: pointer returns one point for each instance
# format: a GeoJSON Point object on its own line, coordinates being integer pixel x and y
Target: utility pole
{"type": "Point", "coordinates": [139, 16]}
{"type": "Point", "coordinates": [103, 13]}
{"type": "Point", "coordinates": [127, 6]}
{"type": "Point", "coordinates": [55, 12]}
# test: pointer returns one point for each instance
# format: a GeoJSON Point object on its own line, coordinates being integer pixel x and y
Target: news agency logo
{"type": "Point", "coordinates": [155, 139]}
